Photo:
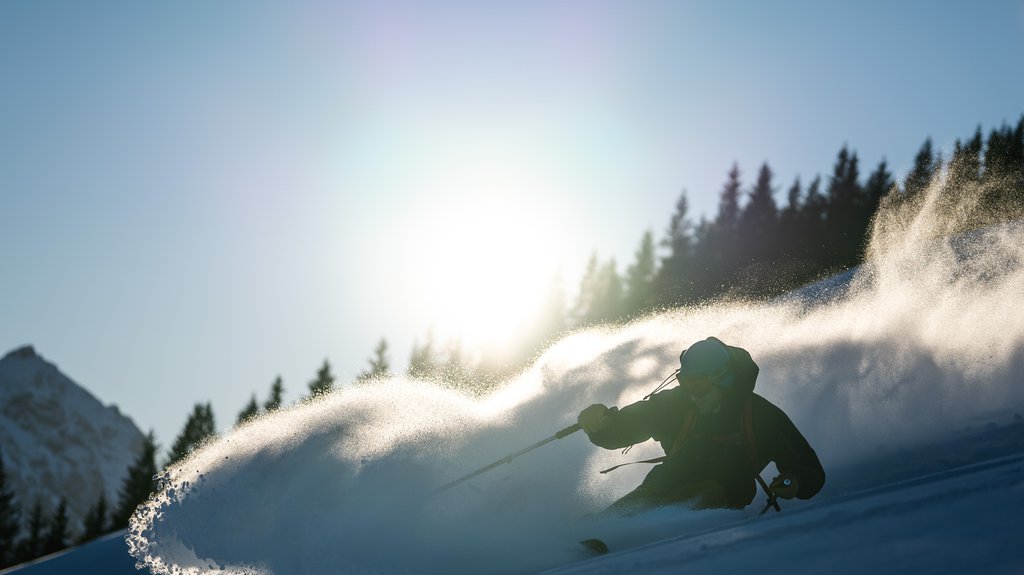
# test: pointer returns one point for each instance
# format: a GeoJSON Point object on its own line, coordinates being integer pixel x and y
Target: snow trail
{"type": "Point", "coordinates": [926, 338]}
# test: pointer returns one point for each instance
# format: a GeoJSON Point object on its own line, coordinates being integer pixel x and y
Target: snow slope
{"type": "Point", "coordinates": [906, 381]}
{"type": "Point", "coordinates": [910, 355]}
{"type": "Point", "coordinates": [964, 520]}
{"type": "Point", "coordinates": [58, 440]}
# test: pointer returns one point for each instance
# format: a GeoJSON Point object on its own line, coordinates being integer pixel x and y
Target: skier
{"type": "Point", "coordinates": [717, 435]}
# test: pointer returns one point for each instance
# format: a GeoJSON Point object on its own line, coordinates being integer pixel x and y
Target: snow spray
{"type": "Point", "coordinates": [923, 339]}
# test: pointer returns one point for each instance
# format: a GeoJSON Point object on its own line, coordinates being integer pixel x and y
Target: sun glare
{"type": "Point", "coordinates": [486, 255]}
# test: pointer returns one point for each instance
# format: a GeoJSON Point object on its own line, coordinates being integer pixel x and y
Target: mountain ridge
{"type": "Point", "coordinates": [59, 440]}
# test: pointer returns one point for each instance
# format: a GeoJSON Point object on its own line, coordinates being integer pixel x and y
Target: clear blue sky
{"type": "Point", "coordinates": [198, 196]}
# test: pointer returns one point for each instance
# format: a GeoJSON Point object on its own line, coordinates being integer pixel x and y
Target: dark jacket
{"type": "Point", "coordinates": [714, 448]}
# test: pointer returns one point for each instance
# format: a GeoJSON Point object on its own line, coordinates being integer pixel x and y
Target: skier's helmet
{"type": "Point", "coordinates": [706, 358]}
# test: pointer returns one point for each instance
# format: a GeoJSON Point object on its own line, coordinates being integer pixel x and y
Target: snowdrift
{"type": "Point", "coordinates": [925, 341]}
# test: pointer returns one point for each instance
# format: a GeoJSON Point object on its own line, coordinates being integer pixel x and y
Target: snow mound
{"type": "Point", "coordinates": [928, 342]}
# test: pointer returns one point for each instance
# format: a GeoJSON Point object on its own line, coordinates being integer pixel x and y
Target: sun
{"type": "Point", "coordinates": [486, 251]}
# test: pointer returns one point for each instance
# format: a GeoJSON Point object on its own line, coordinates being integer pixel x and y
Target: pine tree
{"type": "Point", "coordinates": [601, 293]}
{"type": "Point", "coordinates": [95, 522]}
{"type": "Point", "coordinates": [380, 365]}
{"type": "Point", "coordinates": [759, 220]}
{"type": "Point", "coordinates": [251, 410]}
{"type": "Point", "coordinates": [845, 215]}
{"type": "Point", "coordinates": [10, 515]}
{"type": "Point", "coordinates": [640, 278]}
{"type": "Point", "coordinates": [57, 529]}
{"type": "Point", "coordinates": [455, 370]}
{"type": "Point", "coordinates": [728, 217]}
{"type": "Point", "coordinates": [1015, 167]}
{"type": "Point", "coordinates": [674, 284]}
{"type": "Point", "coordinates": [31, 546]}
{"type": "Point", "coordinates": [607, 305]}
{"type": "Point", "coordinates": [920, 176]}
{"type": "Point", "coordinates": [718, 242]}
{"type": "Point", "coordinates": [324, 382]}
{"type": "Point", "coordinates": [788, 220]}
{"type": "Point", "coordinates": [587, 298]}
{"type": "Point", "coordinates": [879, 184]}
{"type": "Point", "coordinates": [198, 428]}
{"type": "Point", "coordinates": [276, 395]}
{"type": "Point", "coordinates": [422, 362]}
{"type": "Point", "coordinates": [138, 484]}
{"type": "Point", "coordinates": [1003, 173]}
{"type": "Point", "coordinates": [965, 165]}
{"type": "Point", "coordinates": [811, 225]}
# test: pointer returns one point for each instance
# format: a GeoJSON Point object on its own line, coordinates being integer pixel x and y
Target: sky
{"type": "Point", "coordinates": [196, 197]}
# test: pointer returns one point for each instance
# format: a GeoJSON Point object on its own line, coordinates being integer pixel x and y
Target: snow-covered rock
{"type": "Point", "coordinates": [58, 440]}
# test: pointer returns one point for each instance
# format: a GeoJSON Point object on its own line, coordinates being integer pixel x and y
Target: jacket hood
{"type": "Point", "coordinates": [744, 372]}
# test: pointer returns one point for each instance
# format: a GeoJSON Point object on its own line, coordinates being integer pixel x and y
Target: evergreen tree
{"type": "Point", "coordinates": [455, 369]}
{"type": "Point", "coordinates": [758, 236]}
{"type": "Point", "coordinates": [640, 277]}
{"type": "Point", "coordinates": [10, 515]}
{"type": "Point", "coordinates": [251, 410]}
{"type": "Point", "coordinates": [57, 529]}
{"type": "Point", "coordinates": [608, 295]}
{"type": "Point", "coordinates": [588, 295]}
{"type": "Point", "coordinates": [728, 217]}
{"type": "Point", "coordinates": [324, 382]}
{"type": "Point", "coordinates": [95, 523]}
{"type": "Point", "coordinates": [198, 428]}
{"type": "Point", "coordinates": [674, 284]}
{"type": "Point", "coordinates": [601, 293]}
{"type": "Point", "coordinates": [138, 484]}
{"type": "Point", "coordinates": [920, 176]}
{"type": "Point", "coordinates": [1003, 172]}
{"type": "Point", "coordinates": [758, 224]}
{"type": "Point", "coordinates": [380, 365]}
{"type": "Point", "coordinates": [793, 264]}
{"type": "Point", "coordinates": [276, 395]}
{"type": "Point", "coordinates": [845, 215]}
{"type": "Point", "coordinates": [422, 362]}
{"type": "Point", "coordinates": [788, 220]}
{"type": "Point", "coordinates": [718, 242]}
{"type": "Point", "coordinates": [1015, 167]}
{"type": "Point", "coordinates": [811, 224]}
{"type": "Point", "coordinates": [879, 184]}
{"type": "Point", "coordinates": [31, 546]}
{"type": "Point", "coordinates": [965, 165]}
{"type": "Point", "coordinates": [997, 154]}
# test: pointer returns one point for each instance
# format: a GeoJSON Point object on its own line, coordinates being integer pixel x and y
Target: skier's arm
{"type": "Point", "coordinates": [793, 455]}
{"type": "Point", "coordinates": [623, 427]}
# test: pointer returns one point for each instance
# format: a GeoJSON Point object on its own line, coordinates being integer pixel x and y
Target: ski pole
{"type": "Point", "coordinates": [773, 500]}
{"type": "Point", "coordinates": [508, 458]}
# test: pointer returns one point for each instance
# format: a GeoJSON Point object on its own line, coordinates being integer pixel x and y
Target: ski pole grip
{"type": "Point", "coordinates": [568, 431]}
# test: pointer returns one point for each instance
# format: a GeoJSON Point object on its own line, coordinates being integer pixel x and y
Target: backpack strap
{"type": "Point", "coordinates": [677, 443]}
{"type": "Point", "coordinates": [684, 430]}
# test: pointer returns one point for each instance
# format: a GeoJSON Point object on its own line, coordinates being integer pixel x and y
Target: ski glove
{"type": "Point", "coordinates": [593, 418]}
{"type": "Point", "coordinates": [785, 486]}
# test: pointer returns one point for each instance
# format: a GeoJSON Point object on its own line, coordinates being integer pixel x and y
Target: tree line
{"type": "Point", "coordinates": [752, 249]}
{"type": "Point", "coordinates": [756, 248]}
